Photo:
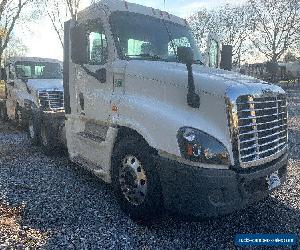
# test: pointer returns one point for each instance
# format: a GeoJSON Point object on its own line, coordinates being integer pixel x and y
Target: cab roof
{"type": "Point", "coordinates": [32, 59]}
{"type": "Point", "coordinates": [110, 6]}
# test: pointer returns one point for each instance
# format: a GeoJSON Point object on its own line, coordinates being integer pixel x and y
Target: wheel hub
{"type": "Point", "coordinates": [133, 180]}
{"type": "Point", "coordinates": [44, 138]}
{"type": "Point", "coordinates": [31, 130]}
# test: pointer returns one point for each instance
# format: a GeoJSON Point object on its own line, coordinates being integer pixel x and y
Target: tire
{"type": "Point", "coordinates": [33, 129]}
{"type": "Point", "coordinates": [20, 117]}
{"type": "Point", "coordinates": [129, 154]}
{"type": "Point", "coordinates": [46, 139]}
{"type": "Point", "coordinates": [3, 112]}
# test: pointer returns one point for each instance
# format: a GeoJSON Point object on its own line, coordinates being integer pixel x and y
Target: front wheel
{"type": "Point", "coordinates": [47, 140]}
{"type": "Point", "coordinates": [33, 129]}
{"type": "Point", "coordinates": [135, 179]}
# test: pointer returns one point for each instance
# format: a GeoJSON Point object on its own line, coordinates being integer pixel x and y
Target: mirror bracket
{"type": "Point", "coordinates": [185, 55]}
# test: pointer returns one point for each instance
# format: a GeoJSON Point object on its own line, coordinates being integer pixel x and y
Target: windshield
{"type": "Point", "coordinates": [38, 70]}
{"type": "Point", "coordinates": [147, 38]}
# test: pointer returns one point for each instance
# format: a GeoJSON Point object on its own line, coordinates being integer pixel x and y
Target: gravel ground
{"type": "Point", "coordinates": [49, 203]}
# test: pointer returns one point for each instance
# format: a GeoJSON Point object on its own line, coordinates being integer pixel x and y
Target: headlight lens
{"type": "Point", "coordinates": [198, 146]}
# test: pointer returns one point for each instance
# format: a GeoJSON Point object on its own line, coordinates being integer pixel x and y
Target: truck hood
{"type": "Point", "coordinates": [209, 80]}
{"type": "Point", "coordinates": [45, 84]}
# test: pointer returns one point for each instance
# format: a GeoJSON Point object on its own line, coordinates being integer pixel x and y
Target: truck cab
{"type": "Point", "coordinates": [145, 114]}
{"type": "Point", "coordinates": [33, 86]}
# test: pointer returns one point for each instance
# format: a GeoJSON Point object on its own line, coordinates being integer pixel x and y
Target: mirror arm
{"type": "Point", "coordinates": [193, 99]}
{"type": "Point", "coordinates": [91, 73]}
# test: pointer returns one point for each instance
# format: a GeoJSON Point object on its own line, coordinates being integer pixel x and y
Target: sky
{"type": "Point", "coordinates": [42, 40]}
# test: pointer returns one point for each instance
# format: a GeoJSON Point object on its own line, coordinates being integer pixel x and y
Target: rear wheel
{"type": "Point", "coordinates": [135, 179]}
{"type": "Point", "coordinates": [47, 140]}
{"type": "Point", "coordinates": [3, 111]}
{"type": "Point", "coordinates": [33, 129]}
{"type": "Point", "coordinates": [20, 117]}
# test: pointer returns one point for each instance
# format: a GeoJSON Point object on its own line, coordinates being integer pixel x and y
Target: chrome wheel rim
{"type": "Point", "coordinates": [31, 130]}
{"type": "Point", "coordinates": [43, 137]}
{"type": "Point", "coordinates": [19, 117]}
{"type": "Point", "coordinates": [133, 180]}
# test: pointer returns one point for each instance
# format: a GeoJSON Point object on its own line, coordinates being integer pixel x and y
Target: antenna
{"type": "Point", "coordinates": [165, 4]}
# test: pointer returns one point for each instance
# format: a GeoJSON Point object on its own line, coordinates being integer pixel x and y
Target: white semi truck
{"type": "Point", "coordinates": [145, 115]}
{"type": "Point", "coordinates": [34, 88]}
{"type": "Point", "coordinates": [293, 69]}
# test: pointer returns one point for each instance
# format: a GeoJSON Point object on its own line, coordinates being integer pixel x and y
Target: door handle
{"type": "Point", "coordinates": [81, 101]}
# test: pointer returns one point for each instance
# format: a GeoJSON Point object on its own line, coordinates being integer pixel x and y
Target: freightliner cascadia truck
{"type": "Point", "coordinates": [33, 89]}
{"type": "Point", "coordinates": [144, 114]}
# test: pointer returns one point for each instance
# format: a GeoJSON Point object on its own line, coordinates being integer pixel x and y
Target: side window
{"type": "Point", "coordinates": [138, 47]}
{"type": "Point", "coordinates": [39, 70]}
{"type": "Point", "coordinates": [97, 45]}
{"type": "Point", "coordinates": [23, 71]}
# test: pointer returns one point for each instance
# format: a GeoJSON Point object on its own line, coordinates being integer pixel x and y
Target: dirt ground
{"type": "Point", "coordinates": [49, 203]}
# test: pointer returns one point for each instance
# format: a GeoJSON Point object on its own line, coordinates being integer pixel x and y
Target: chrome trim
{"type": "Point", "coordinates": [254, 91]}
{"type": "Point", "coordinates": [55, 99]}
{"type": "Point", "coordinates": [265, 160]}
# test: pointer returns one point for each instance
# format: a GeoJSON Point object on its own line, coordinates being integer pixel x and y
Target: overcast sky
{"type": "Point", "coordinates": [42, 41]}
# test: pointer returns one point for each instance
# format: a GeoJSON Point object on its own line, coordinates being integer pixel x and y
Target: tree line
{"type": "Point", "coordinates": [14, 13]}
{"type": "Point", "coordinates": [260, 29]}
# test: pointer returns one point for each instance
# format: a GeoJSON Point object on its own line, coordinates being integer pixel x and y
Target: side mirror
{"type": "Point", "coordinates": [79, 45]}
{"type": "Point", "coordinates": [226, 57]}
{"type": "Point", "coordinates": [101, 75]}
{"type": "Point", "coordinates": [185, 55]}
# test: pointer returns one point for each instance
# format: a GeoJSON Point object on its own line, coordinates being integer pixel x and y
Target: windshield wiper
{"type": "Point", "coordinates": [198, 62]}
{"type": "Point", "coordinates": [148, 56]}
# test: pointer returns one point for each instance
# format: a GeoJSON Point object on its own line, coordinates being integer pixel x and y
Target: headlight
{"type": "Point", "coordinates": [198, 146]}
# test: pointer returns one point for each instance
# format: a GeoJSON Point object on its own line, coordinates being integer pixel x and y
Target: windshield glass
{"type": "Point", "coordinates": [147, 38]}
{"type": "Point", "coordinates": [38, 70]}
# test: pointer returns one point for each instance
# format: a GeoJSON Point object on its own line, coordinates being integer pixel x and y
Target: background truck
{"type": "Point", "coordinates": [293, 69]}
{"type": "Point", "coordinates": [33, 88]}
{"type": "Point", "coordinates": [144, 114]}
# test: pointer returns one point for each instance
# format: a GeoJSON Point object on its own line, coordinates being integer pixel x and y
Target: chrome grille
{"type": "Point", "coordinates": [51, 100]}
{"type": "Point", "coordinates": [262, 128]}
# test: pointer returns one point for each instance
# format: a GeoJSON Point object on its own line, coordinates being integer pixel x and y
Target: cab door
{"type": "Point", "coordinates": [88, 131]}
{"type": "Point", "coordinates": [95, 84]}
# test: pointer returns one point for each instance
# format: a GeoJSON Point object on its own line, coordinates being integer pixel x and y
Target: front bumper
{"type": "Point", "coordinates": [213, 192]}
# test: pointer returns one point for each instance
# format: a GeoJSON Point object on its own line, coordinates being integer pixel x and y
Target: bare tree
{"type": "Point", "coordinates": [200, 24]}
{"type": "Point", "coordinates": [276, 26]}
{"type": "Point", "coordinates": [233, 29]}
{"type": "Point", "coordinates": [229, 23]}
{"type": "Point", "coordinates": [60, 11]}
{"type": "Point", "coordinates": [57, 13]}
{"type": "Point", "coordinates": [10, 11]}
{"type": "Point", "coordinates": [15, 47]}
